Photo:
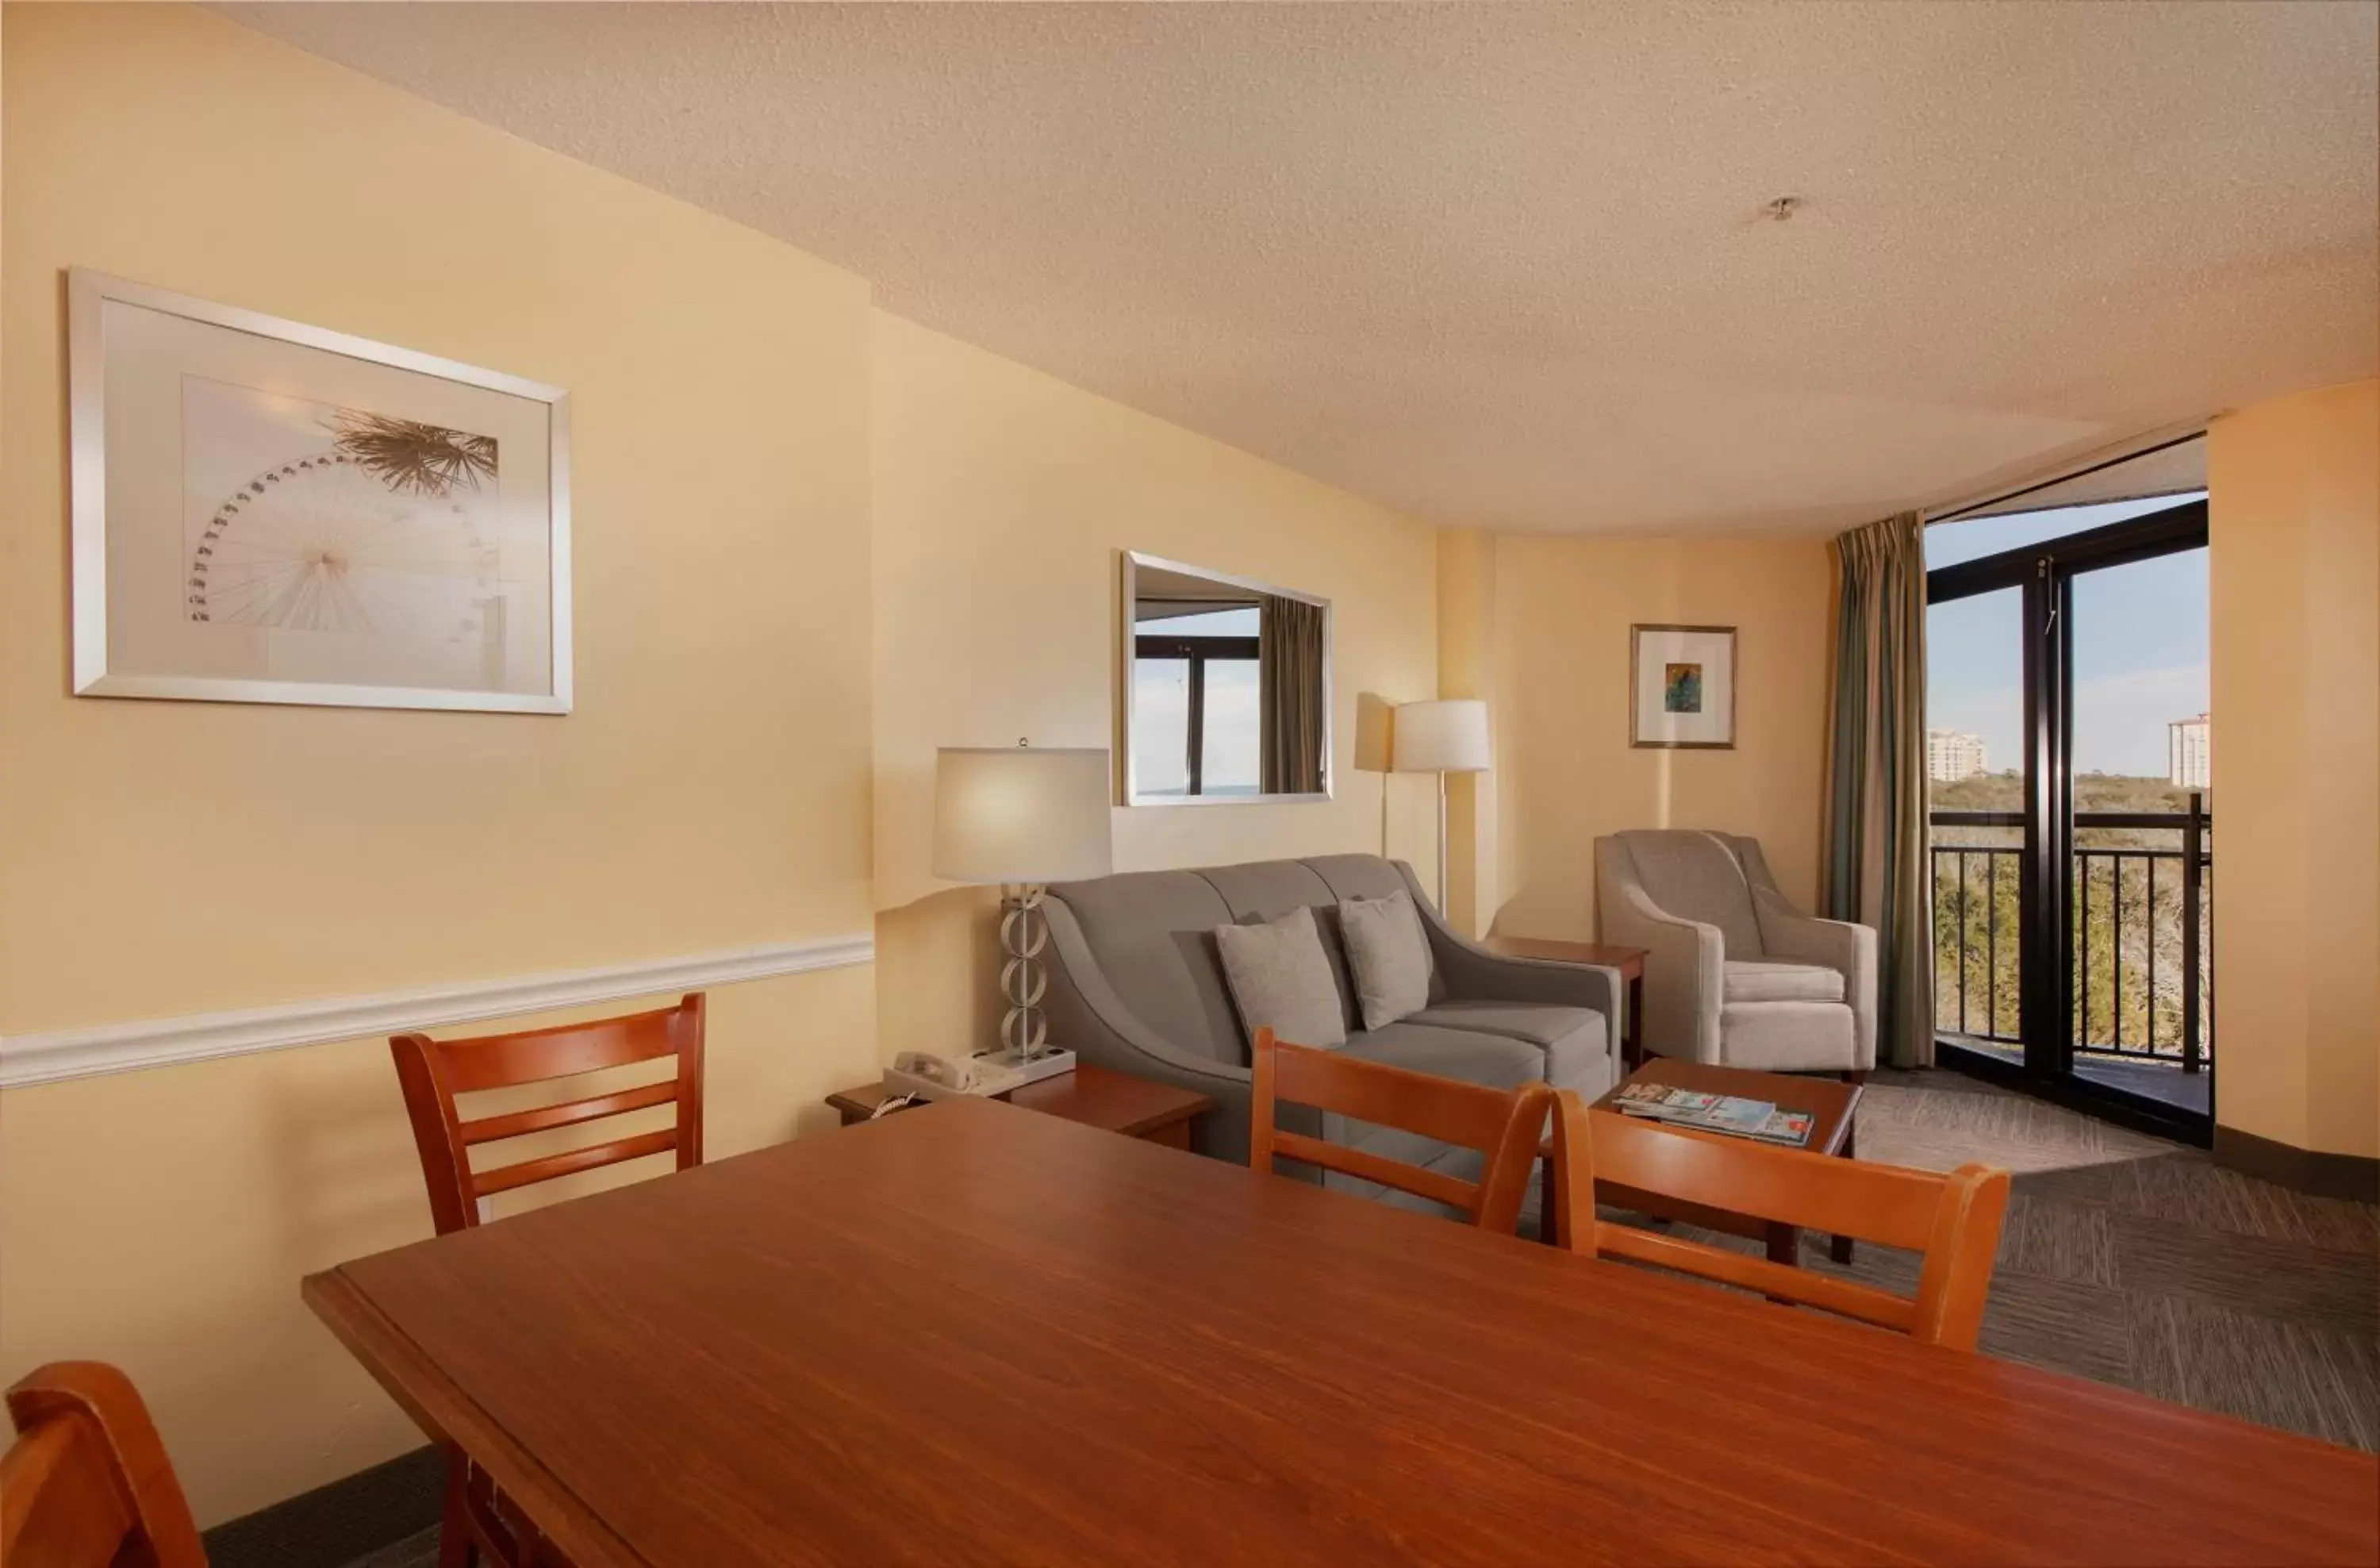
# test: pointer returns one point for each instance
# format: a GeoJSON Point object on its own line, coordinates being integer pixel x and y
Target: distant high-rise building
{"type": "Point", "coordinates": [1952, 755]}
{"type": "Point", "coordinates": [2189, 753]}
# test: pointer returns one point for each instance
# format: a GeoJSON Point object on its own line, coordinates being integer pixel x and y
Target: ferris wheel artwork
{"type": "Point", "coordinates": [269, 512]}
{"type": "Point", "coordinates": [377, 533]}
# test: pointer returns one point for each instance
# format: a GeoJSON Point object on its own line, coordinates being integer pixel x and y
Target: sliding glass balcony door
{"type": "Point", "coordinates": [2069, 764]}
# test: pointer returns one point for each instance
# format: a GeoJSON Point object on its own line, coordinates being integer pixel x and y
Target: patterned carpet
{"type": "Point", "coordinates": [2139, 1262]}
{"type": "Point", "coordinates": [2126, 1258]}
{"type": "Point", "coordinates": [413, 1551]}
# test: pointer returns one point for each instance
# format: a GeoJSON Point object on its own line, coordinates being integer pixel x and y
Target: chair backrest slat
{"type": "Point", "coordinates": [1503, 1125]}
{"type": "Point", "coordinates": [504, 1178]}
{"type": "Point", "coordinates": [569, 1113]}
{"type": "Point", "coordinates": [529, 1056]}
{"type": "Point", "coordinates": [433, 1072]}
{"type": "Point", "coordinates": [1955, 1220]}
{"type": "Point", "coordinates": [1879, 1203]}
{"type": "Point", "coordinates": [87, 1483]}
{"type": "Point", "coordinates": [1844, 1296]}
{"type": "Point", "coordinates": [1453, 1191]}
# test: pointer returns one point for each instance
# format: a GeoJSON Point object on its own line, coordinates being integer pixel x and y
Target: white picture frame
{"type": "Point", "coordinates": [1137, 788]}
{"type": "Point", "coordinates": [1682, 687]}
{"type": "Point", "coordinates": [265, 511]}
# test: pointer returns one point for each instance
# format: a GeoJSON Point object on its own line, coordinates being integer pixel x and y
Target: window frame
{"type": "Point", "coordinates": [1196, 651]}
{"type": "Point", "coordinates": [2043, 574]}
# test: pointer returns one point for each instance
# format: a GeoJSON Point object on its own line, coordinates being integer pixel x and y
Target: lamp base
{"type": "Point", "coordinates": [1049, 1063]}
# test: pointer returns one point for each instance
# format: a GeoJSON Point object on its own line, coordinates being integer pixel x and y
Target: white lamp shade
{"type": "Point", "coordinates": [1445, 737]}
{"type": "Point", "coordinates": [1015, 814]}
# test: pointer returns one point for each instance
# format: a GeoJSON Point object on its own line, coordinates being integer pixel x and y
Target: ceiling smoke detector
{"type": "Point", "coordinates": [1782, 207]}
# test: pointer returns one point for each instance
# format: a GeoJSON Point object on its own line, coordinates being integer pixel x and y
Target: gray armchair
{"type": "Point", "coordinates": [1735, 975]}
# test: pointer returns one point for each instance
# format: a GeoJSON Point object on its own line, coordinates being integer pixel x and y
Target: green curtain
{"type": "Point", "coordinates": [1876, 830]}
{"type": "Point", "coordinates": [1290, 696]}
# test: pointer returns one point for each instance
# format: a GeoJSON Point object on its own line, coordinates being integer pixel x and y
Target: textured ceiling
{"type": "Point", "coordinates": [1506, 265]}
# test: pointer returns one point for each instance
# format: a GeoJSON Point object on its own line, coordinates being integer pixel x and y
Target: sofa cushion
{"type": "Point", "coordinates": [1281, 980]}
{"type": "Point", "coordinates": [1469, 1056]}
{"type": "Point", "coordinates": [1388, 957]}
{"type": "Point", "coordinates": [1746, 980]}
{"type": "Point", "coordinates": [1576, 1040]}
{"type": "Point", "coordinates": [1357, 876]}
{"type": "Point", "coordinates": [1266, 889]}
{"type": "Point", "coordinates": [1788, 1036]}
{"type": "Point", "coordinates": [1696, 877]}
{"type": "Point", "coordinates": [1369, 876]}
{"type": "Point", "coordinates": [1152, 934]}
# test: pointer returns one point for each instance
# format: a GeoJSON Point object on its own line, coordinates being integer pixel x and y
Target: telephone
{"type": "Point", "coordinates": [923, 1075]}
{"type": "Point", "coordinates": [931, 1077]}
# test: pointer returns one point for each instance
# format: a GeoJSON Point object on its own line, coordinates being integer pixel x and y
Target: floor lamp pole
{"type": "Point", "coordinates": [1441, 846]}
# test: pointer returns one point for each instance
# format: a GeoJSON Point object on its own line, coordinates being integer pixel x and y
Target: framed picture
{"type": "Point", "coordinates": [269, 512]}
{"type": "Point", "coordinates": [1681, 686]}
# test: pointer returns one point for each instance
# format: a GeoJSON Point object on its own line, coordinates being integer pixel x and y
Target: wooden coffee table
{"type": "Point", "coordinates": [1832, 1106]}
{"type": "Point", "coordinates": [1115, 1103]}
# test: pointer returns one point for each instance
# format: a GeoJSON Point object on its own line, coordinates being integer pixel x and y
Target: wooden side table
{"type": "Point", "coordinates": [1140, 1108]}
{"type": "Point", "coordinates": [1629, 961]}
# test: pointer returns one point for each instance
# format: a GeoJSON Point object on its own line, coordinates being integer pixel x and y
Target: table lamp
{"type": "Point", "coordinates": [1446, 736]}
{"type": "Point", "coordinates": [1022, 818]}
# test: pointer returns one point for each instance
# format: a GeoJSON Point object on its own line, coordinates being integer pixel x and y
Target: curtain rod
{"type": "Point", "coordinates": [2197, 434]}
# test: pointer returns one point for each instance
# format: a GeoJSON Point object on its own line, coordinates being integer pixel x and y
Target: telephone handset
{"type": "Point", "coordinates": [932, 1077]}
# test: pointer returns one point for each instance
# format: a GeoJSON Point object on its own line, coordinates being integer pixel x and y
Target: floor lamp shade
{"type": "Point", "coordinates": [1022, 815]}
{"type": "Point", "coordinates": [1448, 736]}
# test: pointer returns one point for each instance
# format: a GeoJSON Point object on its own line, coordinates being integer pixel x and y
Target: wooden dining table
{"type": "Point", "coordinates": [973, 1333]}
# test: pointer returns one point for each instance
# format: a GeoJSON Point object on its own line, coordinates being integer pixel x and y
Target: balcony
{"type": "Point", "coordinates": [2144, 945]}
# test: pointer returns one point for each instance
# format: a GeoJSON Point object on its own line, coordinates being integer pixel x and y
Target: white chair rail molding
{"type": "Point", "coordinates": [54, 1056]}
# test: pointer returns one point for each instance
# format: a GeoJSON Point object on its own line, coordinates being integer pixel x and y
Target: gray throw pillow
{"type": "Point", "coordinates": [1280, 980]}
{"type": "Point", "coordinates": [1389, 955]}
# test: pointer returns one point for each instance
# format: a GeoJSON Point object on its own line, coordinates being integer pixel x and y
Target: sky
{"type": "Point", "coordinates": [1162, 712]}
{"type": "Point", "coordinates": [2140, 645]}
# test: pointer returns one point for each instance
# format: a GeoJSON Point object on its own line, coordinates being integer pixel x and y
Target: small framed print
{"type": "Point", "coordinates": [271, 512]}
{"type": "Point", "coordinates": [1682, 684]}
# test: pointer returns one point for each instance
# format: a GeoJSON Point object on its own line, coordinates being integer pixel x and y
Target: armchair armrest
{"type": "Point", "coordinates": [1839, 944]}
{"type": "Point", "coordinates": [1087, 1017]}
{"type": "Point", "coordinates": [1685, 966]}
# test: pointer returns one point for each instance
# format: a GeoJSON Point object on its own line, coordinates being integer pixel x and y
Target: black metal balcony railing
{"type": "Point", "coordinates": [2143, 933]}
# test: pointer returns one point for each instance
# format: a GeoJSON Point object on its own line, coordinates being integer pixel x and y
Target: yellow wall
{"type": "Point", "coordinates": [1004, 499]}
{"type": "Point", "coordinates": [736, 773]}
{"type": "Point", "coordinates": [1562, 609]}
{"type": "Point", "coordinates": [156, 858]}
{"type": "Point", "coordinates": [814, 542]}
{"type": "Point", "coordinates": [1467, 640]}
{"type": "Point", "coordinates": [2294, 509]}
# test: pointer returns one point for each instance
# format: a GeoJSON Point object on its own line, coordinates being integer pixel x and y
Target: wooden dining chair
{"type": "Point", "coordinates": [87, 1483]}
{"type": "Point", "coordinates": [1503, 1125]}
{"type": "Point", "coordinates": [433, 1072]}
{"type": "Point", "coordinates": [1953, 1219]}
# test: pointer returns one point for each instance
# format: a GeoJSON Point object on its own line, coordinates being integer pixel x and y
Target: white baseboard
{"type": "Point", "coordinates": [56, 1054]}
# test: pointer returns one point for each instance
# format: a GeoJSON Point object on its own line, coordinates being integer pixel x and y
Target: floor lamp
{"type": "Point", "coordinates": [1021, 819]}
{"type": "Point", "coordinates": [1446, 735]}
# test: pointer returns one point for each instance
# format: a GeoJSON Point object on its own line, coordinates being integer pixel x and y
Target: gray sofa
{"type": "Point", "coordinates": [1136, 985]}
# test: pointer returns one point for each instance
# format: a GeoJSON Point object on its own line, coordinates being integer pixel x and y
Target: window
{"type": "Point", "coordinates": [2069, 761]}
{"type": "Point", "coordinates": [1971, 539]}
{"type": "Point", "coordinates": [1195, 727]}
